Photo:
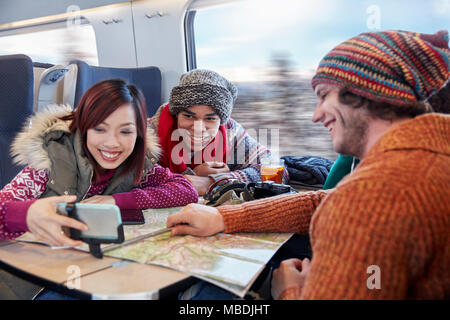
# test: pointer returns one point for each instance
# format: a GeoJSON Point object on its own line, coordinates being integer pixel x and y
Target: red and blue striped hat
{"type": "Point", "coordinates": [397, 67]}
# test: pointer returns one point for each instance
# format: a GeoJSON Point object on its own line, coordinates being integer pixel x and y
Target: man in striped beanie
{"type": "Point", "coordinates": [397, 67]}
{"type": "Point", "coordinates": [390, 73]}
{"type": "Point", "coordinates": [383, 231]}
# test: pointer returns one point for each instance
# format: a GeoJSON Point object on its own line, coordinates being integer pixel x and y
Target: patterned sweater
{"type": "Point", "coordinates": [392, 212]}
{"type": "Point", "coordinates": [160, 188]}
{"type": "Point", "coordinates": [245, 153]}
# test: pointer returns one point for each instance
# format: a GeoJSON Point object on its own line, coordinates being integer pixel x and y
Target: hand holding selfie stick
{"type": "Point", "coordinates": [104, 222]}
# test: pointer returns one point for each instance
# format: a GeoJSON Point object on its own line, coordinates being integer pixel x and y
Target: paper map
{"type": "Point", "coordinates": [230, 261]}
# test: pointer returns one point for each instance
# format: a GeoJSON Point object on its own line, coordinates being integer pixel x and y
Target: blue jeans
{"type": "Point", "coordinates": [203, 290]}
{"type": "Point", "coordinates": [47, 294]}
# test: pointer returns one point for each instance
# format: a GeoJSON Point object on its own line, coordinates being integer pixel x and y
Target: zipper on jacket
{"type": "Point", "coordinates": [90, 185]}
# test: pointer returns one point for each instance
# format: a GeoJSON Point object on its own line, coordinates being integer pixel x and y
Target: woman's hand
{"type": "Point", "coordinates": [208, 168]}
{"type": "Point", "coordinates": [46, 224]}
{"type": "Point", "coordinates": [100, 199]}
{"type": "Point", "coordinates": [291, 273]}
{"type": "Point", "coordinates": [197, 220]}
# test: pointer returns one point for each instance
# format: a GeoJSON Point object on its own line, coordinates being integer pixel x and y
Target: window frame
{"type": "Point", "coordinates": [51, 25]}
{"type": "Point", "coordinates": [189, 35]}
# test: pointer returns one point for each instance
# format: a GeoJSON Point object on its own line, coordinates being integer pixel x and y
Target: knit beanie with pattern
{"type": "Point", "coordinates": [204, 87]}
{"type": "Point", "coordinates": [397, 67]}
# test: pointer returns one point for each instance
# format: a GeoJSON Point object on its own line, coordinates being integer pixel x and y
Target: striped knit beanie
{"type": "Point", "coordinates": [397, 67]}
{"type": "Point", "coordinates": [204, 87]}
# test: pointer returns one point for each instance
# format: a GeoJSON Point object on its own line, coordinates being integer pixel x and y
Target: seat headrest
{"type": "Point", "coordinates": [147, 79]}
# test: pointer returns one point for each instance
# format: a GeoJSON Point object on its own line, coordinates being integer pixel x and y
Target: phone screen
{"type": "Point", "coordinates": [133, 216]}
{"type": "Point", "coordinates": [104, 221]}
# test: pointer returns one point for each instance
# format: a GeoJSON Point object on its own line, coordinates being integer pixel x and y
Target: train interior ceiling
{"type": "Point", "coordinates": [127, 35]}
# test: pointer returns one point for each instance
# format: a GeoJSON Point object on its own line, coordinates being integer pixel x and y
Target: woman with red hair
{"type": "Point", "coordinates": [101, 152]}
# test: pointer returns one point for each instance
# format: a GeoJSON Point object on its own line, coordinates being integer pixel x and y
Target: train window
{"type": "Point", "coordinates": [270, 50]}
{"type": "Point", "coordinates": [53, 45]}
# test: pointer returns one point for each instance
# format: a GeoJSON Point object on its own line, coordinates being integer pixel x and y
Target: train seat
{"type": "Point", "coordinates": [147, 79]}
{"type": "Point", "coordinates": [16, 105]}
{"type": "Point", "coordinates": [54, 84]}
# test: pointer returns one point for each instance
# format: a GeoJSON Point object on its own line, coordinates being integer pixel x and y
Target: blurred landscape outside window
{"type": "Point", "coordinates": [270, 49]}
{"type": "Point", "coordinates": [54, 46]}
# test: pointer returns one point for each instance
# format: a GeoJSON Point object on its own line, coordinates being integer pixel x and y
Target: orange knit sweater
{"type": "Point", "coordinates": [392, 212]}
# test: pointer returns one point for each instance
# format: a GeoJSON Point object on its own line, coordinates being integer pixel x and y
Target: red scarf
{"type": "Point", "coordinates": [167, 125]}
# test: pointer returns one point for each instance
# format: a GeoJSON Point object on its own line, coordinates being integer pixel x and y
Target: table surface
{"type": "Point", "coordinates": [80, 274]}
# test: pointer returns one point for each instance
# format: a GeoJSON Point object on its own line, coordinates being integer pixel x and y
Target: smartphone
{"type": "Point", "coordinates": [132, 216]}
{"type": "Point", "coordinates": [104, 221]}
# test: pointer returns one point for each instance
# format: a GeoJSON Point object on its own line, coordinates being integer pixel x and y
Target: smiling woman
{"type": "Point", "coordinates": [102, 152]}
{"type": "Point", "coordinates": [112, 141]}
{"type": "Point", "coordinates": [99, 153]}
{"type": "Point", "coordinates": [111, 118]}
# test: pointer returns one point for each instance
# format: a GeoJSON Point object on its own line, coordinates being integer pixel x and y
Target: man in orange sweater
{"type": "Point", "coordinates": [384, 231]}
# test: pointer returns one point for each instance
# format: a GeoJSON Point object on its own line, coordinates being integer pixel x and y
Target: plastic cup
{"type": "Point", "coordinates": [272, 170]}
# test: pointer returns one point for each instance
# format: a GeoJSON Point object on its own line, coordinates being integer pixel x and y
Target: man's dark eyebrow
{"type": "Point", "coordinates": [319, 91]}
{"type": "Point", "coordinates": [194, 114]}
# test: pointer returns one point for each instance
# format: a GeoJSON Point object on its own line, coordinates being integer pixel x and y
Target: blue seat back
{"type": "Point", "coordinates": [16, 105]}
{"type": "Point", "coordinates": [147, 79]}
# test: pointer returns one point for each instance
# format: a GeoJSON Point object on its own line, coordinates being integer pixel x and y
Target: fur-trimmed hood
{"type": "Point", "coordinates": [27, 148]}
